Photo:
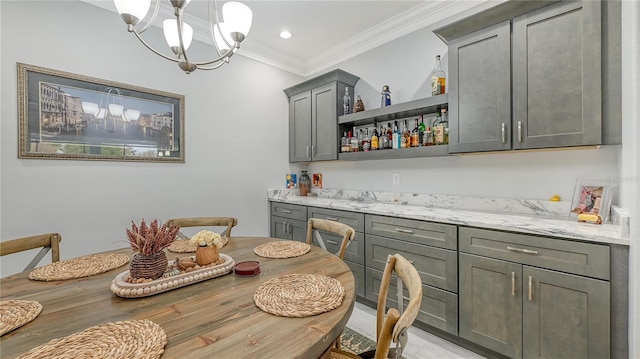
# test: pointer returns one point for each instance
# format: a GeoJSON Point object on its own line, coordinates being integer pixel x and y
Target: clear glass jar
{"type": "Point", "coordinates": [304, 183]}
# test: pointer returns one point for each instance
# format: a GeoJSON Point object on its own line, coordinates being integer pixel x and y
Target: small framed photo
{"type": "Point", "coordinates": [593, 197]}
{"type": "Point", "coordinates": [291, 180]}
{"type": "Point", "coordinates": [317, 180]}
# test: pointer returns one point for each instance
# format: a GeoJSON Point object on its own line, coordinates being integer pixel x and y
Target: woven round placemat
{"type": "Point", "coordinates": [79, 267]}
{"type": "Point", "coordinates": [16, 313]}
{"type": "Point", "coordinates": [299, 295]}
{"type": "Point", "coordinates": [140, 339]}
{"type": "Point", "coordinates": [185, 245]}
{"type": "Point", "coordinates": [282, 249]}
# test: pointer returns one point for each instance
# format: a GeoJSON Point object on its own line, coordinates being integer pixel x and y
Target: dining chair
{"type": "Point", "coordinates": [229, 222]}
{"type": "Point", "coordinates": [315, 225]}
{"type": "Point", "coordinates": [393, 326]}
{"type": "Point", "coordinates": [47, 241]}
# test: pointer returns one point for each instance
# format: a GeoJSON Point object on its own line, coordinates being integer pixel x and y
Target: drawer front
{"type": "Point", "coordinates": [431, 234]}
{"type": "Point", "coordinates": [438, 308]}
{"type": "Point", "coordinates": [355, 249]}
{"type": "Point", "coordinates": [580, 258]}
{"type": "Point", "coordinates": [292, 211]}
{"type": "Point", "coordinates": [437, 267]}
{"type": "Point", "coordinates": [358, 275]}
{"type": "Point", "coordinates": [353, 219]}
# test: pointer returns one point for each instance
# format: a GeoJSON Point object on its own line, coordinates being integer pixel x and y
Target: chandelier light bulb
{"type": "Point", "coordinates": [115, 109]}
{"type": "Point", "coordinates": [137, 8]}
{"type": "Point", "coordinates": [170, 27]}
{"type": "Point", "coordinates": [90, 108]}
{"type": "Point", "coordinates": [237, 16]}
{"type": "Point", "coordinates": [131, 115]}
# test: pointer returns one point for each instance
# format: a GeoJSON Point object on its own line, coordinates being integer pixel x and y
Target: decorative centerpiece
{"type": "Point", "coordinates": [209, 244]}
{"type": "Point", "coordinates": [149, 241]}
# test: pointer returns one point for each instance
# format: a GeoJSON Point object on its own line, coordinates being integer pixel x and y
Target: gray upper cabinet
{"type": "Point", "coordinates": [314, 106]}
{"type": "Point", "coordinates": [526, 77]}
{"type": "Point", "coordinates": [557, 99]}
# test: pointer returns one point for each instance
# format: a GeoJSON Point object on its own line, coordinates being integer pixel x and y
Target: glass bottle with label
{"type": "Point", "coordinates": [366, 141]}
{"type": "Point", "coordinates": [421, 130]}
{"type": "Point", "coordinates": [390, 136]}
{"type": "Point", "coordinates": [346, 102]}
{"type": "Point", "coordinates": [427, 138]}
{"type": "Point", "coordinates": [374, 137]}
{"type": "Point", "coordinates": [441, 129]}
{"type": "Point", "coordinates": [405, 142]}
{"type": "Point", "coordinates": [354, 141]}
{"type": "Point", "coordinates": [438, 79]}
{"type": "Point", "coordinates": [345, 145]}
{"type": "Point", "coordinates": [444, 120]}
{"type": "Point", "coordinates": [415, 135]}
{"type": "Point", "coordinates": [360, 138]}
{"type": "Point", "coordinates": [396, 136]}
{"type": "Point", "coordinates": [383, 140]}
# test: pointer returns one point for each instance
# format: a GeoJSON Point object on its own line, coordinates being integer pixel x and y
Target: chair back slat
{"type": "Point", "coordinates": [228, 222]}
{"type": "Point", "coordinates": [317, 224]}
{"type": "Point", "coordinates": [47, 241]}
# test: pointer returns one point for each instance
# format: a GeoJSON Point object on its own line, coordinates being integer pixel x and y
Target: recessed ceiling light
{"type": "Point", "coordinates": [286, 34]}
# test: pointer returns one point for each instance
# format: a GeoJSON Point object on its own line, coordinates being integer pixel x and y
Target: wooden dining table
{"type": "Point", "coordinates": [215, 318]}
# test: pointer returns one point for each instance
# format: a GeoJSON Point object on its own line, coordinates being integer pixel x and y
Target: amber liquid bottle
{"type": "Point", "coordinates": [438, 79]}
{"type": "Point", "coordinates": [405, 142]}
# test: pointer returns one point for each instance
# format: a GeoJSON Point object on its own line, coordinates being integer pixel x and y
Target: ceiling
{"type": "Point", "coordinates": [324, 32]}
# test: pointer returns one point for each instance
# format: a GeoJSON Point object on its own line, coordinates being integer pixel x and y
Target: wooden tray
{"type": "Point", "coordinates": [138, 290]}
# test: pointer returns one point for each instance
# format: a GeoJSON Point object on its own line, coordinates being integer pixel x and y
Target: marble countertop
{"type": "Point", "coordinates": [524, 216]}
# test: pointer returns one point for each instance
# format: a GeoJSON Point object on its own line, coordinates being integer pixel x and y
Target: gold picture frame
{"type": "Point", "coordinates": [74, 117]}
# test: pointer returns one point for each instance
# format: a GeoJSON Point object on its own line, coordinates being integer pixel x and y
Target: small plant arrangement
{"type": "Point", "coordinates": [208, 244]}
{"type": "Point", "coordinates": [207, 238]}
{"type": "Point", "coordinates": [149, 240]}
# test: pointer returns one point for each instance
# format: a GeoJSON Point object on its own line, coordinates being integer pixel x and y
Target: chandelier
{"type": "Point", "coordinates": [225, 36]}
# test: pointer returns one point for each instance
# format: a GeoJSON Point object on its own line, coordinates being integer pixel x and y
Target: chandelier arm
{"type": "Point", "coordinates": [179, 23]}
{"type": "Point", "coordinates": [152, 19]}
{"type": "Point", "coordinates": [222, 62]}
{"type": "Point", "coordinates": [222, 57]}
{"type": "Point", "coordinates": [152, 49]}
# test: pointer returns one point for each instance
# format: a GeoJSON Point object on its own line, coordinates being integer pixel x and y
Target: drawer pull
{"type": "Point", "coordinates": [332, 218]}
{"type": "Point", "coordinates": [332, 242]}
{"type": "Point", "coordinates": [530, 289]}
{"type": "Point", "coordinates": [401, 230]}
{"type": "Point", "coordinates": [522, 250]}
{"type": "Point", "coordinates": [513, 284]}
{"type": "Point", "coordinates": [286, 211]}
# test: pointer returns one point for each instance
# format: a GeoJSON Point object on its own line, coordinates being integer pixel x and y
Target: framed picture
{"type": "Point", "coordinates": [67, 116]}
{"type": "Point", "coordinates": [593, 197]}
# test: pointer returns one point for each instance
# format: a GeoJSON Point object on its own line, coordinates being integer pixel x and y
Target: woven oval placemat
{"type": "Point", "coordinates": [79, 267]}
{"type": "Point", "coordinates": [16, 313]}
{"type": "Point", "coordinates": [140, 339]}
{"type": "Point", "coordinates": [185, 246]}
{"type": "Point", "coordinates": [282, 249]}
{"type": "Point", "coordinates": [299, 295]}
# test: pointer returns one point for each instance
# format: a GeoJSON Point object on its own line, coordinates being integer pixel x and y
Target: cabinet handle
{"type": "Point", "coordinates": [513, 284]}
{"type": "Point", "coordinates": [519, 131]}
{"type": "Point", "coordinates": [530, 289]}
{"type": "Point", "coordinates": [332, 242]}
{"type": "Point", "coordinates": [504, 133]}
{"type": "Point", "coordinates": [404, 230]}
{"type": "Point", "coordinates": [332, 218]}
{"type": "Point", "coordinates": [308, 153]}
{"type": "Point", "coordinates": [286, 211]}
{"type": "Point", "coordinates": [522, 250]}
{"type": "Point", "coordinates": [313, 150]}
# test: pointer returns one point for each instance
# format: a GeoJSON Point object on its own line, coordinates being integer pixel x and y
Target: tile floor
{"type": "Point", "coordinates": [422, 345]}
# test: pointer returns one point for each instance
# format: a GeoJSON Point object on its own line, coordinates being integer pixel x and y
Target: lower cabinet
{"type": "Point", "coordinates": [523, 311]}
{"type": "Point", "coordinates": [288, 221]}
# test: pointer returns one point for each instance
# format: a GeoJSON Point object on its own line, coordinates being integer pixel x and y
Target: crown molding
{"type": "Point", "coordinates": [425, 14]}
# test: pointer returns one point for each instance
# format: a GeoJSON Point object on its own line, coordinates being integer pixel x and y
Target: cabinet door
{"type": "Point", "coordinates": [557, 99]}
{"type": "Point", "coordinates": [565, 316]}
{"type": "Point", "coordinates": [279, 227]}
{"type": "Point", "coordinates": [300, 127]}
{"type": "Point", "coordinates": [324, 123]}
{"type": "Point", "coordinates": [297, 230]}
{"type": "Point", "coordinates": [480, 90]}
{"type": "Point", "coordinates": [490, 300]}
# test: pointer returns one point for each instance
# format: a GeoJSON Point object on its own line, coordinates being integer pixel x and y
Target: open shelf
{"type": "Point", "coordinates": [430, 151]}
{"type": "Point", "coordinates": [402, 110]}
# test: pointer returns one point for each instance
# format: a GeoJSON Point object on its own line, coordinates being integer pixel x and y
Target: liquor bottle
{"type": "Point", "coordinates": [345, 145]}
{"type": "Point", "coordinates": [374, 138]}
{"type": "Point", "coordinates": [346, 102]}
{"type": "Point", "coordinates": [395, 144]}
{"type": "Point", "coordinates": [438, 79]}
{"type": "Point", "coordinates": [360, 138]}
{"type": "Point", "coordinates": [444, 120]}
{"type": "Point", "coordinates": [383, 139]}
{"type": "Point", "coordinates": [386, 96]}
{"type": "Point", "coordinates": [366, 141]}
{"type": "Point", "coordinates": [438, 128]}
{"type": "Point", "coordinates": [390, 136]}
{"type": "Point", "coordinates": [415, 135]}
{"type": "Point", "coordinates": [421, 130]}
{"type": "Point", "coordinates": [405, 142]}
{"type": "Point", "coordinates": [427, 138]}
{"type": "Point", "coordinates": [354, 141]}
